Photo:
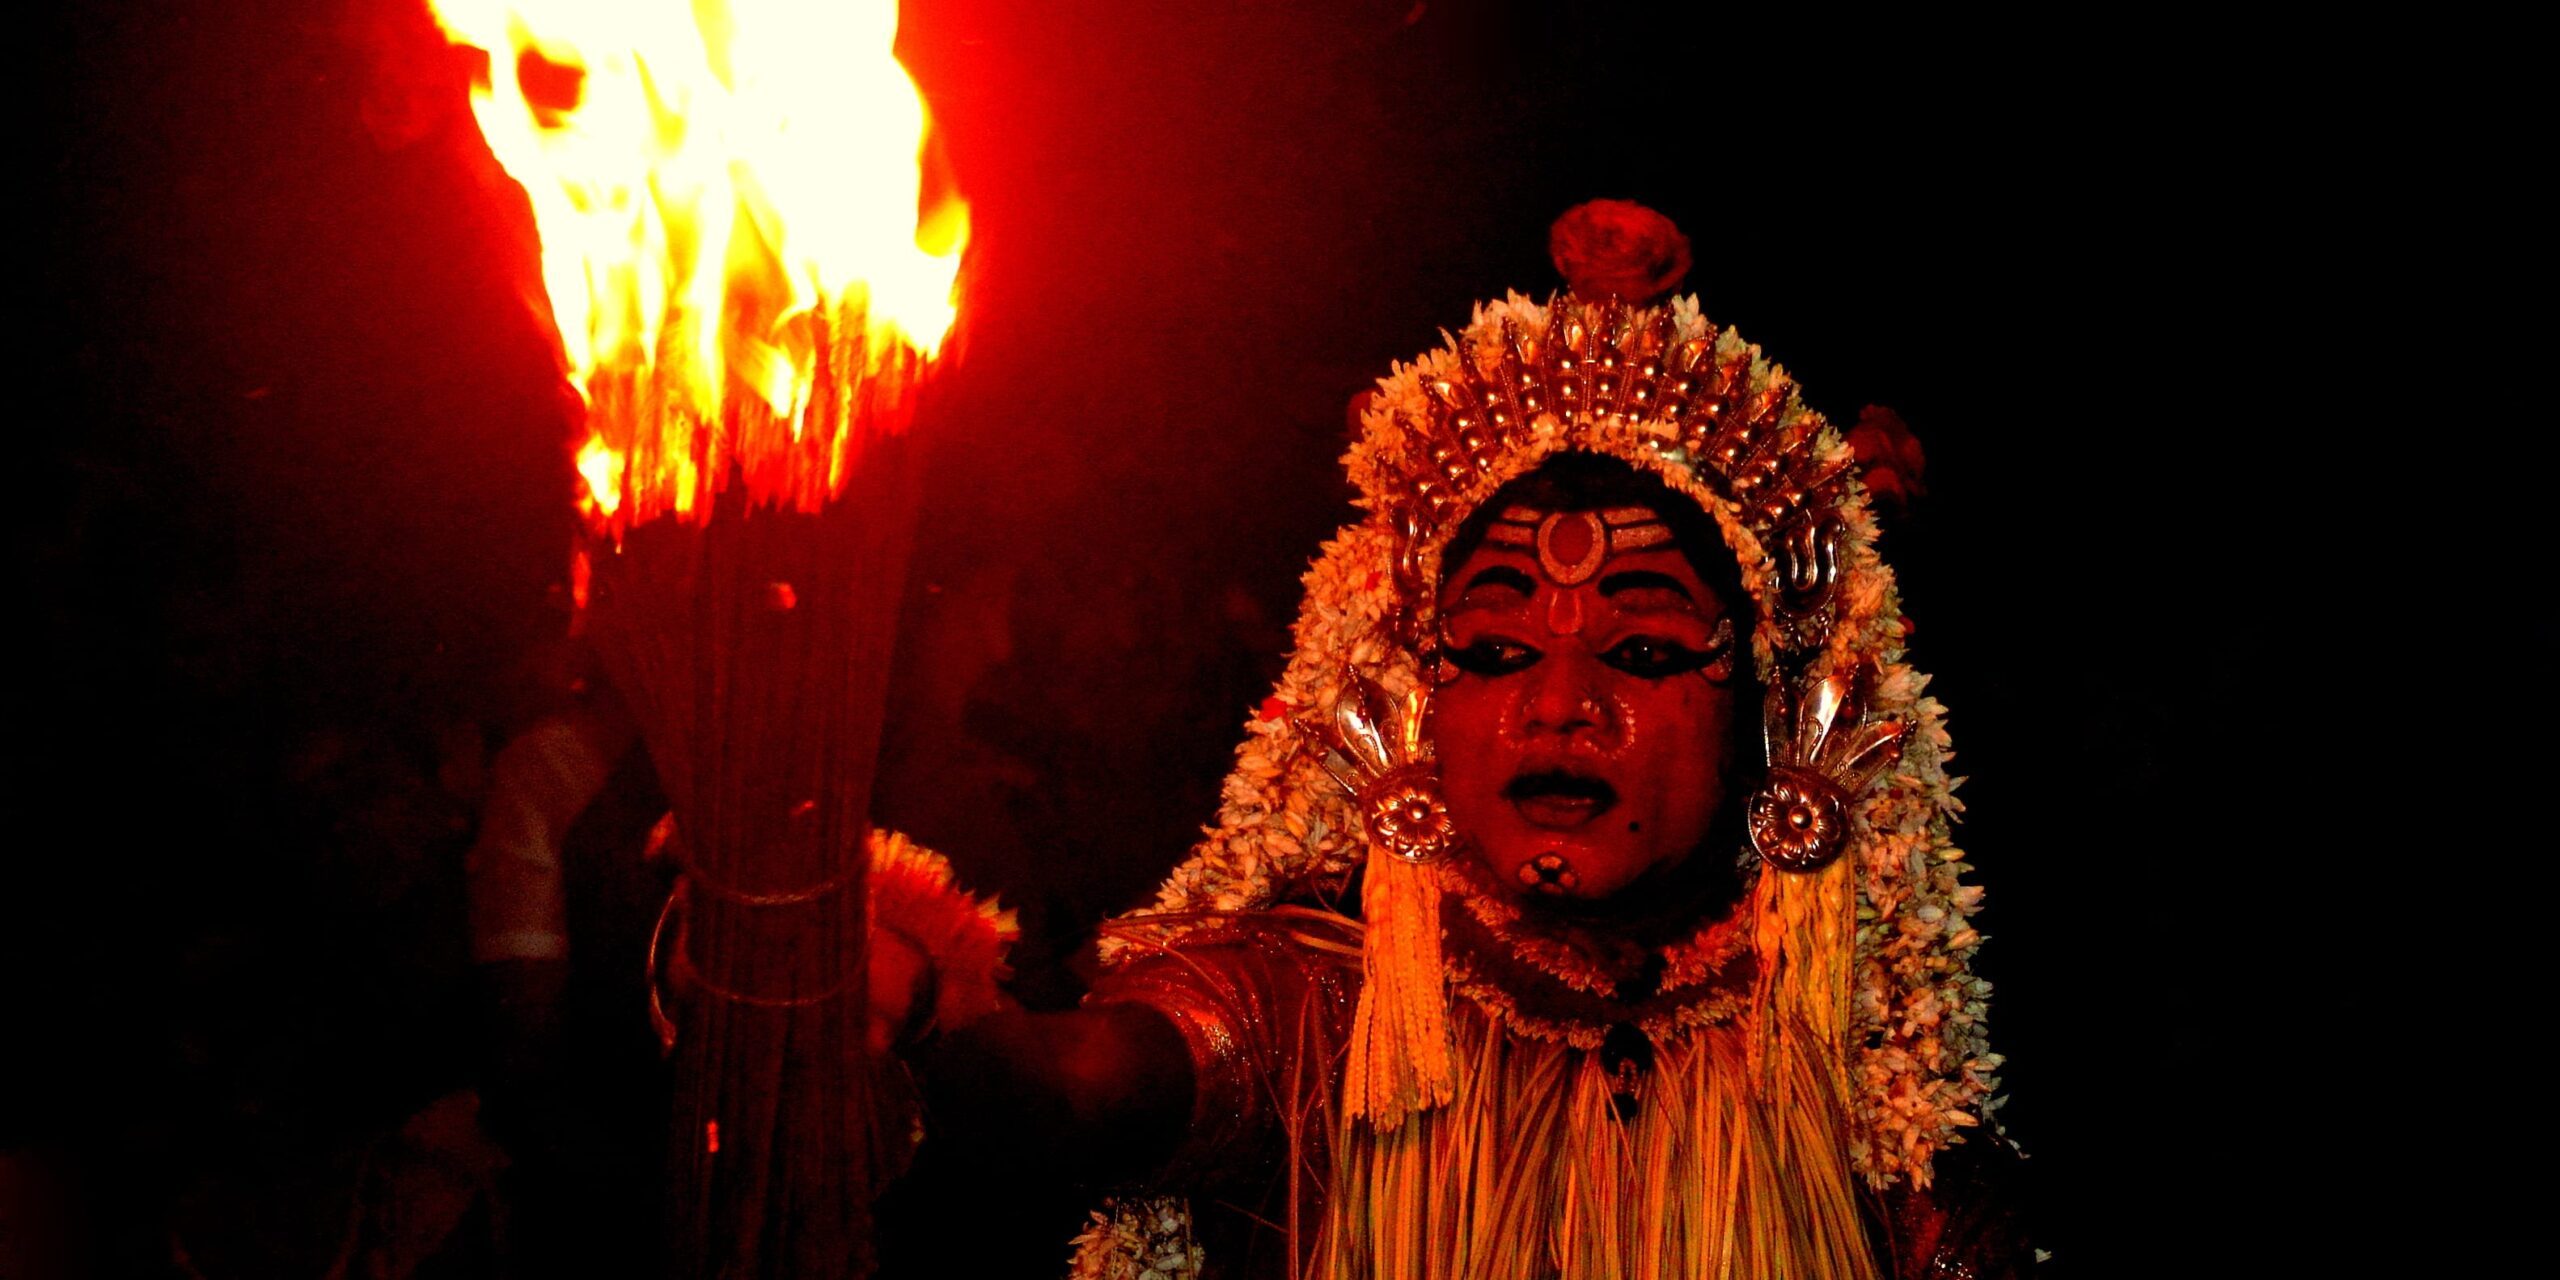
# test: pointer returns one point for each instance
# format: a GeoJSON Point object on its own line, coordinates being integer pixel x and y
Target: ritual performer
{"type": "Point", "coordinates": [1583, 902]}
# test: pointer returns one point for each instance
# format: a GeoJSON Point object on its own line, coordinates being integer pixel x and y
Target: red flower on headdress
{"type": "Point", "coordinates": [1618, 247]}
{"type": "Point", "coordinates": [1890, 461]}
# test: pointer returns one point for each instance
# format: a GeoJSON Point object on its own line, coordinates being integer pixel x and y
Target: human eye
{"type": "Point", "coordinates": [1657, 657]}
{"type": "Point", "coordinates": [1492, 656]}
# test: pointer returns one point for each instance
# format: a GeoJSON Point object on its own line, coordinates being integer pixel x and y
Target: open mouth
{"type": "Point", "coordinates": [1557, 800]}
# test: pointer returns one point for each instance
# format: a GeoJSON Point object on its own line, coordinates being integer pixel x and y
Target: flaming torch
{"type": "Point", "coordinates": [746, 294]}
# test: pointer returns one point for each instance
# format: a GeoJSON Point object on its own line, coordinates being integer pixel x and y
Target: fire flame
{"type": "Point", "coordinates": [728, 197]}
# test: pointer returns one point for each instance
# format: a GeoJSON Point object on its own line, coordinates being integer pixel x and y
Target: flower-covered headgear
{"type": "Point", "coordinates": [1858, 917]}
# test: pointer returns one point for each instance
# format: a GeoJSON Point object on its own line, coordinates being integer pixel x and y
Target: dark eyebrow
{"type": "Point", "coordinates": [1502, 575]}
{"type": "Point", "coordinates": [1643, 580]}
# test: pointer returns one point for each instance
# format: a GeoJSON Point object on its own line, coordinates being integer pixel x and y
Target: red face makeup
{"type": "Point", "coordinates": [1586, 699]}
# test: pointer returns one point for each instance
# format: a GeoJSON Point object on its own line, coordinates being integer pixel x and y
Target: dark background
{"type": "Point", "coordinates": [2165, 301]}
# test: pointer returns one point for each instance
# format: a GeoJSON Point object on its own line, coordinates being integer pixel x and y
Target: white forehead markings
{"type": "Point", "coordinates": [1554, 537]}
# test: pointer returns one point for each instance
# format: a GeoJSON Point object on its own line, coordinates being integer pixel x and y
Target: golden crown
{"type": "Point", "coordinates": [1658, 387]}
{"type": "Point", "coordinates": [1659, 376]}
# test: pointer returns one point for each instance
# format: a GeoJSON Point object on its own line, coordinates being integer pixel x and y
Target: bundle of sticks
{"type": "Point", "coordinates": [752, 638]}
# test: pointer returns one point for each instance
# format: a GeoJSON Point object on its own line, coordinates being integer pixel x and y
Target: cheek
{"type": "Point", "coordinates": [1466, 729]}
{"type": "Point", "coordinates": [1680, 747]}
{"type": "Point", "coordinates": [1670, 761]}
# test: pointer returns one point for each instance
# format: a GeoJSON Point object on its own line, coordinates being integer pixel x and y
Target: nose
{"type": "Point", "coordinates": [1563, 695]}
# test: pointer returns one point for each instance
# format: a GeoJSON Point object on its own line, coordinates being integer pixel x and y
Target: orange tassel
{"type": "Point", "coordinates": [1400, 1060]}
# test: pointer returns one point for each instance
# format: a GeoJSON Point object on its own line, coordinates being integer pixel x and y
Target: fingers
{"type": "Point", "coordinates": [898, 976]}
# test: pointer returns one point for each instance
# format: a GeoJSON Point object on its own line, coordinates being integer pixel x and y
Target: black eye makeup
{"type": "Point", "coordinates": [1661, 657]}
{"type": "Point", "coordinates": [1655, 657]}
{"type": "Point", "coordinates": [1492, 656]}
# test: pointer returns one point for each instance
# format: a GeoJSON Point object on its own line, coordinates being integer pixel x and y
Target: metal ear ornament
{"type": "Point", "coordinates": [1824, 752]}
{"type": "Point", "coordinates": [1374, 748]}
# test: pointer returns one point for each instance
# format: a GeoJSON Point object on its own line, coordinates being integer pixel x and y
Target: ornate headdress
{"type": "Point", "coordinates": [1858, 917]}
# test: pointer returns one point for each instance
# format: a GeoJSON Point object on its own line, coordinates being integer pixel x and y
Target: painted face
{"type": "Point", "coordinates": [1586, 700]}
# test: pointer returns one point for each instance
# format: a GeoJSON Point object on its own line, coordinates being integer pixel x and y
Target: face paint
{"type": "Point", "coordinates": [1573, 545]}
{"type": "Point", "coordinates": [1585, 710]}
{"type": "Point", "coordinates": [1564, 613]}
{"type": "Point", "coordinates": [1550, 874]}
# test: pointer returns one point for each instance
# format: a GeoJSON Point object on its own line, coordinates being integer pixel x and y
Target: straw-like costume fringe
{"type": "Point", "coordinates": [1530, 1171]}
{"type": "Point", "coordinates": [1735, 1161]}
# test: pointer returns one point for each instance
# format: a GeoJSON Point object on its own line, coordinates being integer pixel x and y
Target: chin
{"type": "Point", "coordinates": [1559, 872]}
{"type": "Point", "coordinates": [1682, 888]}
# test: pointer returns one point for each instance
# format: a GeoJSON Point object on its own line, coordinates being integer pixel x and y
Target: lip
{"type": "Point", "coordinates": [1560, 801]}
{"type": "Point", "coordinates": [1559, 813]}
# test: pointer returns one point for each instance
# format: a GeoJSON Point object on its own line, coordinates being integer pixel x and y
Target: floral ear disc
{"type": "Point", "coordinates": [1824, 752]}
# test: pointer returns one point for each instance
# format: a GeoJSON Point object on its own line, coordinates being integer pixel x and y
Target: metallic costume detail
{"type": "Point", "coordinates": [1796, 820]}
{"type": "Point", "coordinates": [1376, 751]}
{"type": "Point", "coordinates": [1719, 668]}
{"type": "Point", "coordinates": [1408, 579]}
{"type": "Point", "coordinates": [1405, 814]}
{"type": "Point", "coordinates": [1806, 603]}
{"type": "Point", "coordinates": [1824, 752]}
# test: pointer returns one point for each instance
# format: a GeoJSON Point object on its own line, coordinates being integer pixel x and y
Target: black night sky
{"type": "Point", "coordinates": [2168, 311]}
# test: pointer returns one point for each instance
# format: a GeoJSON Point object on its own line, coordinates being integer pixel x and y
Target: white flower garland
{"type": "Point", "coordinates": [1146, 1239]}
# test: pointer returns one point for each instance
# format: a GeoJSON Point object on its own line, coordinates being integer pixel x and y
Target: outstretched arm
{"type": "Point", "coordinates": [1189, 1068]}
{"type": "Point", "coordinates": [1190, 1062]}
{"type": "Point", "coordinates": [1091, 1097]}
